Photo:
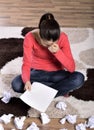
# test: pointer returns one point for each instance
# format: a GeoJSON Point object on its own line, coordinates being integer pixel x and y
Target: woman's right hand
{"type": "Point", "coordinates": [27, 85]}
{"type": "Point", "coordinates": [54, 48]}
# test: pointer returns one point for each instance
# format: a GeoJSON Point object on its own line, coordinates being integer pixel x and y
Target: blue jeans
{"type": "Point", "coordinates": [61, 80]}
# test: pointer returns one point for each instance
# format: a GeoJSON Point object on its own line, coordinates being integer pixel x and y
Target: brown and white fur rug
{"type": "Point", "coordinates": [82, 45]}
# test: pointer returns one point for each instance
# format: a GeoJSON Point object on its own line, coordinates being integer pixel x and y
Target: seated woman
{"type": "Point", "coordinates": [47, 59]}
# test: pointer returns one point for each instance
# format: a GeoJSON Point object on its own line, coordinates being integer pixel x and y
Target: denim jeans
{"type": "Point", "coordinates": [61, 80]}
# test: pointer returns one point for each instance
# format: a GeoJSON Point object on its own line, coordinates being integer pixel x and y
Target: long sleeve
{"type": "Point", "coordinates": [64, 55]}
{"type": "Point", "coordinates": [27, 57]}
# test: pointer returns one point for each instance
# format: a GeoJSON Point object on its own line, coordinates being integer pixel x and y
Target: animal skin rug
{"type": "Point", "coordinates": [84, 56]}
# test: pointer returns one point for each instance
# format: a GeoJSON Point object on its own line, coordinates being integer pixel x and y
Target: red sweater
{"type": "Point", "coordinates": [39, 57]}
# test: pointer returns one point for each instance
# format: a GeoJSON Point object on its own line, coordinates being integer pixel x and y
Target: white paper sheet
{"type": "Point", "coordinates": [39, 97]}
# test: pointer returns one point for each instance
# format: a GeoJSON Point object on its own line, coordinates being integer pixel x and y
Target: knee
{"type": "Point", "coordinates": [14, 85]}
{"type": "Point", "coordinates": [17, 84]}
{"type": "Point", "coordinates": [79, 79]}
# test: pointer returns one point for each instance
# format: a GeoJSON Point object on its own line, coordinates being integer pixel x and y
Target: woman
{"type": "Point", "coordinates": [47, 59]}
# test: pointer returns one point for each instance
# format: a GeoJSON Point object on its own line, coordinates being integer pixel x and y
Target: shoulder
{"type": "Point", "coordinates": [63, 40]}
{"type": "Point", "coordinates": [32, 34]}
{"type": "Point", "coordinates": [28, 40]}
{"type": "Point", "coordinates": [63, 35]}
{"type": "Point", "coordinates": [28, 36]}
{"type": "Point", "coordinates": [31, 38]}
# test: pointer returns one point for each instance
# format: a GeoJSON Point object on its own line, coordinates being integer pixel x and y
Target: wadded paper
{"type": "Point", "coordinates": [39, 97]}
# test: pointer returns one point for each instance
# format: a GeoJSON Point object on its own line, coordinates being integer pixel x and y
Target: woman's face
{"type": "Point", "coordinates": [46, 43]}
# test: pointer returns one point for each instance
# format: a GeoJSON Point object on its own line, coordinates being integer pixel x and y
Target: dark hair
{"type": "Point", "coordinates": [49, 27]}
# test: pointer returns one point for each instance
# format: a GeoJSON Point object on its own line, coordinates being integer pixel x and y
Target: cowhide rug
{"type": "Point", "coordinates": [82, 44]}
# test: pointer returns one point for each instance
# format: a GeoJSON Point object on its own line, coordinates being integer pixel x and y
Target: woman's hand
{"type": "Point", "coordinates": [27, 85]}
{"type": "Point", "coordinates": [53, 48]}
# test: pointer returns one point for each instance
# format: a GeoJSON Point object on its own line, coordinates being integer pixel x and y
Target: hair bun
{"type": "Point", "coordinates": [46, 17]}
{"type": "Point", "coordinates": [49, 16]}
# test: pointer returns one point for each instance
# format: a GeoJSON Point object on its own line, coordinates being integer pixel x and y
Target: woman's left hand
{"type": "Point", "coordinates": [54, 48]}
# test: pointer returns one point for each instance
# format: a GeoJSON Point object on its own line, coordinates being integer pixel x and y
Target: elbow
{"type": "Point", "coordinates": [72, 69]}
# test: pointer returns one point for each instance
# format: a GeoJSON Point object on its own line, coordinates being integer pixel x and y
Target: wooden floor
{"type": "Point", "coordinates": [69, 13]}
